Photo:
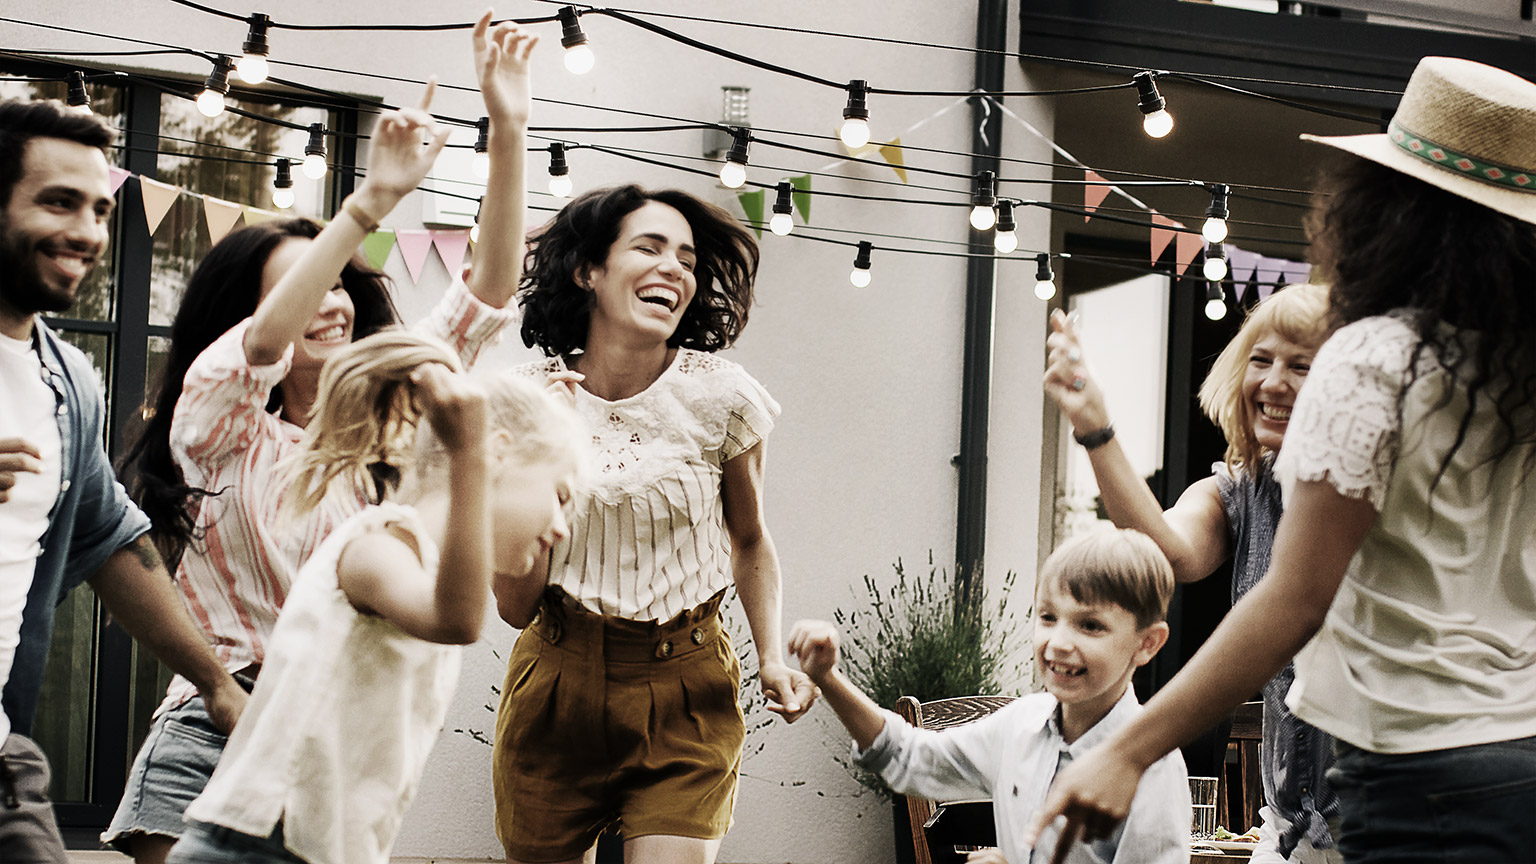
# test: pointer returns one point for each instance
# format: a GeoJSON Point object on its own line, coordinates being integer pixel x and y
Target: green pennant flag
{"type": "Point", "coordinates": [802, 196]}
{"type": "Point", "coordinates": [376, 247]}
{"type": "Point", "coordinates": [752, 205]}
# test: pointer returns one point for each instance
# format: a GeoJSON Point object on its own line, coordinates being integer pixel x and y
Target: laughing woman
{"type": "Point", "coordinates": [621, 697]}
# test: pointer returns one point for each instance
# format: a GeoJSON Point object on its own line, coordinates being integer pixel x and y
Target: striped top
{"type": "Point", "coordinates": [648, 539]}
{"type": "Point", "coordinates": [235, 577]}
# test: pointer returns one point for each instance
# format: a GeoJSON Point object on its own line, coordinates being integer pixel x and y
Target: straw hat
{"type": "Point", "coordinates": [1465, 127]}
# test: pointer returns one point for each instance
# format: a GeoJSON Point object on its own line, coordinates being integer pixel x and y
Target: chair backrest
{"type": "Point", "coordinates": [1238, 808]}
{"type": "Point", "coordinates": [939, 714]}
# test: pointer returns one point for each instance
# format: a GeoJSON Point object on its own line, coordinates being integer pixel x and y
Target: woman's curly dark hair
{"type": "Point", "coordinates": [556, 310]}
{"type": "Point", "coordinates": [1384, 240]}
{"type": "Point", "coordinates": [223, 291]}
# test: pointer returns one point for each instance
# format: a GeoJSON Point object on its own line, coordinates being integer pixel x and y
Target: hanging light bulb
{"type": "Point", "coordinates": [1045, 284]}
{"type": "Point", "coordinates": [252, 67]}
{"type": "Point", "coordinates": [559, 172]}
{"type": "Point", "coordinates": [1215, 228]}
{"type": "Point", "coordinates": [855, 128]}
{"type": "Point", "coordinates": [1215, 262]}
{"type": "Point", "coordinates": [983, 199]}
{"type": "Point", "coordinates": [734, 172]}
{"type": "Point", "coordinates": [474, 231]}
{"type": "Point", "coordinates": [480, 166]}
{"type": "Point", "coordinates": [1157, 122]}
{"type": "Point", "coordinates": [77, 97]}
{"type": "Point", "coordinates": [211, 101]}
{"type": "Point", "coordinates": [1005, 241]}
{"type": "Point", "coordinates": [1215, 302]}
{"type": "Point", "coordinates": [282, 186]}
{"type": "Point", "coordinates": [314, 152]}
{"type": "Point", "coordinates": [859, 275]}
{"type": "Point", "coordinates": [783, 220]}
{"type": "Point", "coordinates": [578, 54]}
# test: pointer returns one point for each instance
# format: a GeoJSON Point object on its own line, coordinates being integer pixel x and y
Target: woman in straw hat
{"type": "Point", "coordinates": [1406, 559]}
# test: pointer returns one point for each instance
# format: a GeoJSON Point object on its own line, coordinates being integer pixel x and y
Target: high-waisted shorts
{"type": "Point", "coordinates": [606, 720]}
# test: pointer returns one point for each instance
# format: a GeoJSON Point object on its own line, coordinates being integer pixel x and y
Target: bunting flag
{"type": "Point", "coordinates": [1094, 195]}
{"type": "Point", "coordinates": [376, 247]}
{"type": "Point", "coordinates": [158, 198]}
{"type": "Point", "coordinates": [752, 206]}
{"type": "Point", "coordinates": [1267, 272]}
{"type": "Point", "coordinates": [414, 246]}
{"type": "Point", "coordinates": [802, 196]}
{"type": "Point", "coordinates": [1297, 272]}
{"type": "Point", "coordinates": [1240, 263]}
{"type": "Point", "coordinates": [221, 216]}
{"type": "Point", "coordinates": [1186, 247]}
{"type": "Point", "coordinates": [451, 246]}
{"type": "Point", "coordinates": [256, 215]}
{"type": "Point", "coordinates": [1162, 234]}
{"type": "Point", "coordinates": [117, 175]}
{"type": "Point", "coordinates": [894, 157]}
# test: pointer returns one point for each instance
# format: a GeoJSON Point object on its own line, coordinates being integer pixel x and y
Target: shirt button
{"type": "Point", "coordinates": [36, 550]}
{"type": "Point", "coordinates": [64, 487]}
{"type": "Point", "coordinates": [63, 410]}
{"type": "Point", "coordinates": [698, 636]}
{"type": "Point", "coordinates": [1301, 736]}
{"type": "Point", "coordinates": [666, 648]}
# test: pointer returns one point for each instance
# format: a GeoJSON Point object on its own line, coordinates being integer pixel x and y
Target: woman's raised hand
{"type": "Point", "coordinates": [453, 404]}
{"type": "Point", "coordinates": [1068, 380]}
{"type": "Point", "coordinates": [501, 64]}
{"type": "Point", "coordinates": [403, 148]}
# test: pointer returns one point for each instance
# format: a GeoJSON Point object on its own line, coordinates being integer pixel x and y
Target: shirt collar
{"type": "Point", "coordinates": [1118, 716]}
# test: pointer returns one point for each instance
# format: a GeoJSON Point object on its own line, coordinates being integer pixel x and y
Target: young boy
{"type": "Point", "coordinates": [1100, 606]}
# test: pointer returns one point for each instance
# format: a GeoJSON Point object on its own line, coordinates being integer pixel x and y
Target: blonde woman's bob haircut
{"type": "Point", "coordinates": [1299, 315]}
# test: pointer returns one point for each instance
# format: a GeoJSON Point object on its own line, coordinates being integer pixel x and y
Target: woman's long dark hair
{"type": "Point", "coordinates": [556, 310]}
{"type": "Point", "coordinates": [1386, 241]}
{"type": "Point", "coordinates": [223, 291]}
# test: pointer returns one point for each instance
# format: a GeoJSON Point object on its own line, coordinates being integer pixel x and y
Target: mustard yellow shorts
{"type": "Point", "coordinates": [606, 720]}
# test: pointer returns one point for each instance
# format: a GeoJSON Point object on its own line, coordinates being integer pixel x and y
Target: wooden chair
{"type": "Point", "coordinates": [1238, 803]}
{"type": "Point", "coordinates": [940, 714]}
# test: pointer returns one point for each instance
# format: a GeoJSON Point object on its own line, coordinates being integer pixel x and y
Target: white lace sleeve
{"type": "Point", "coordinates": [1346, 424]}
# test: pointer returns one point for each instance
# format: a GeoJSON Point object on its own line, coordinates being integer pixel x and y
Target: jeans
{"type": "Point", "coordinates": [27, 830]}
{"type": "Point", "coordinates": [201, 843]}
{"type": "Point", "coordinates": [171, 769]}
{"type": "Point", "coordinates": [1467, 804]}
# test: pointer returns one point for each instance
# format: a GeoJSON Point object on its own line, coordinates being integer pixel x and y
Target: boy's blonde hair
{"type": "Point", "coordinates": [1114, 565]}
{"type": "Point", "coordinates": [367, 434]}
{"type": "Point", "coordinates": [1297, 314]}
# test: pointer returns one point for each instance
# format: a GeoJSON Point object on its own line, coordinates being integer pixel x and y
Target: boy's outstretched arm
{"type": "Point", "coordinates": [815, 644]}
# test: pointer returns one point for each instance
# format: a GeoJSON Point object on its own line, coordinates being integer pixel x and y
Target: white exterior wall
{"type": "Point", "coordinates": [870, 379]}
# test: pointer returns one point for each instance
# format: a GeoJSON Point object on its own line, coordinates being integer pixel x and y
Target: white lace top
{"type": "Point", "coordinates": [1431, 641]}
{"type": "Point", "coordinates": [648, 539]}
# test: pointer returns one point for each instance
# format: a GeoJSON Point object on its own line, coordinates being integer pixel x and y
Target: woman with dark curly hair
{"type": "Point", "coordinates": [1405, 562]}
{"type": "Point", "coordinates": [620, 704]}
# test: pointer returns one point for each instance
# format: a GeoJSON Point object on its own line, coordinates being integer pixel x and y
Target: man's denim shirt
{"type": "Point", "coordinates": [92, 518]}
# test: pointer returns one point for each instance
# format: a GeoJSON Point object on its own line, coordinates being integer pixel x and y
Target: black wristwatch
{"type": "Point", "coordinates": [1095, 439]}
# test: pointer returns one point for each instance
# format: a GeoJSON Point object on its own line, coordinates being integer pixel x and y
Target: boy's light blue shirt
{"type": "Point", "coordinates": [1012, 756]}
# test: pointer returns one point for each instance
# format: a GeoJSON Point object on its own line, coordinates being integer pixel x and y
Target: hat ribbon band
{"type": "Point", "coordinates": [1477, 169]}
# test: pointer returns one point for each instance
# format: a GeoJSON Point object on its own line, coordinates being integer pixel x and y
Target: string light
{"type": "Point", "coordinates": [1157, 122]}
{"type": "Point", "coordinates": [578, 54]}
{"type": "Point", "coordinates": [474, 230]}
{"type": "Point", "coordinates": [1005, 241]}
{"type": "Point", "coordinates": [252, 67]}
{"type": "Point", "coordinates": [983, 199]}
{"type": "Point", "coordinates": [1215, 302]}
{"type": "Point", "coordinates": [77, 97]}
{"type": "Point", "coordinates": [1215, 262]}
{"type": "Point", "coordinates": [480, 165]}
{"type": "Point", "coordinates": [855, 129]}
{"type": "Point", "coordinates": [559, 172]}
{"type": "Point", "coordinates": [734, 172]}
{"type": "Point", "coordinates": [282, 186]}
{"type": "Point", "coordinates": [783, 220]}
{"type": "Point", "coordinates": [1045, 285]}
{"type": "Point", "coordinates": [314, 152]}
{"type": "Point", "coordinates": [859, 275]}
{"type": "Point", "coordinates": [211, 101]}
{"type": "Point", "coordinates": [1215, 228]}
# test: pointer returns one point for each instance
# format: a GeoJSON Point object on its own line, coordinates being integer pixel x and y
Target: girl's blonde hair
{"type": "Point", "coordinates": [1297, 314]}
{"type": "Point", "coordinates": [367, 432]}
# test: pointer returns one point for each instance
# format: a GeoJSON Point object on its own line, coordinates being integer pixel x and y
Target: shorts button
{"type": "Point", "coordinates": [698, 636]}
{"type": "Point", "coordinates": [666, 648]}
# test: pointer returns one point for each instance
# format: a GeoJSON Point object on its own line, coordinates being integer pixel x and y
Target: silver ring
{"type": "Point", "coordinates": [1079, 383]}
{"type": "Point", "coordinates": [1074, 355]}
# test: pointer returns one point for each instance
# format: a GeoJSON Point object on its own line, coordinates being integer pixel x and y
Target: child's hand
{"type": "Point", "coordinates": [789, 693]}
{"type": "Point", "coordinates": [815, 644]}
{"type": "Point", "coordinates": [563, 385]}
{"type": "Point", "coordinates": [501, 64]}
{"type": "Point", "coordinates": [397, 159]}
{"type": "Point", "coordinates": [454, 405]}
{"type": "Point", "coordinates": [990, 855]}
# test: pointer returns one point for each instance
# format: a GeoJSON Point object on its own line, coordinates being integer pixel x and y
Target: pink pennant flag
{"type": "Point", "coordinates": [414, 246]}
{"type": "Point", "coordinates": [256, 215]}
{"type": "Point", "coordinates": [1240, 263]}
{"type": "Point", "coordinates": [1094, 195]}
{"type": "Point", "coordinates": [1161, 234]}
{"type": "Point", "coordinates": [451, 246]}
{"type": "Point", "coordinates": [1297, 272]}
{"type": "Point", "coordinates": [221, 216]}
{"type": "Point", "coordinates": [117, 176]}
{"type": "Point", "coordinates": [1186, 247]}
{"type": "Point", "coordinates": [1266, 273]}
{"type": "Point", "coordinates": [158, 198]}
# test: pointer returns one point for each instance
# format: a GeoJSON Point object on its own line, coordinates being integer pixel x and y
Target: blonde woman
{"type": "Point", "coordinates": [1232, 514]}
